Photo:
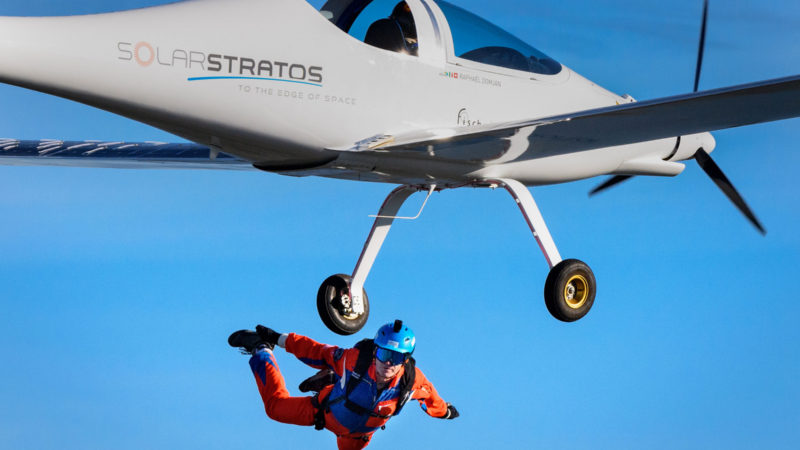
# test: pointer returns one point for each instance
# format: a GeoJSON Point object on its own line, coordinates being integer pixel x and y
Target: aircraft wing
{"type": "Point", "coordinates": [126, 155]}
{"type": "Point", "coordinates": [682, 115]}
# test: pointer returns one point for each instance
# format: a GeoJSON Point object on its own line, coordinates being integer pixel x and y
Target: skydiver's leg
{"type": "Point", "coordinates": [277, 402]}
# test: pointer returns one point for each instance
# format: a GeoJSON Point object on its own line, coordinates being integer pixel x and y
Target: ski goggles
{"type": "Point", "coordinates": [385, 355]}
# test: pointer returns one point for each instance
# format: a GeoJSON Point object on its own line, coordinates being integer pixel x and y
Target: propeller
{"type": "Point", "coordinates": [613, 181]}
{"type": "Point", "coordinates": [701, 156]}
{"type": "Point", "coordinates": [617, 179]}
{"type": "Point", "coordinates": [702, 47]}
{"type": "Point", "coordinates": [704, 159]}
{"type": "Point", "coordinates": [715, 173]}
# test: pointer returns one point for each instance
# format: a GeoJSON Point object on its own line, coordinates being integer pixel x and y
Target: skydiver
{"type": "Point", "coordinates": [348, 383]}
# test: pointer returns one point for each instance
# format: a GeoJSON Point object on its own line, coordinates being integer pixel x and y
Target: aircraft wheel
{"type": "Point", "coordinates": [335, 306]}
{"type": "Point", "coordinates": [569, 290]}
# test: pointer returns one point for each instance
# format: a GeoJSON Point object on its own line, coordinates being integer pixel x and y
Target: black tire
{"type": "Point", "coordinates": [569, 290]}
{"type": "Point", "coordinates": [334, 312]}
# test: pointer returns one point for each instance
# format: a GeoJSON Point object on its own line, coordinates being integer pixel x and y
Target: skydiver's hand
{"type": "Point", "coordinates": [451, 413]}
{"type": "Point", "coordinates": [268, 335]}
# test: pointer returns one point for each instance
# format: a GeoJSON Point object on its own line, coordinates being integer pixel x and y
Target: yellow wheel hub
{"type": "Point", "coordinates": [576, 291]}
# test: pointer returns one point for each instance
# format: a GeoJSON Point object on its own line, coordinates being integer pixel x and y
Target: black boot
{"type": "Point", "coordinates": [247, 340]}
{"type": "Point", "coordinates": [316, 382]}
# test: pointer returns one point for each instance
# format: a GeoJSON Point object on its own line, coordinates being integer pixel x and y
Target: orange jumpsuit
{"type": "Point", "coordinates": [353, 430]}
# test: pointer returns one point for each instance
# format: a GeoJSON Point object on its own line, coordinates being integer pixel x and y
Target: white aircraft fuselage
{"type": "Point", "coordinates": [276, 83]}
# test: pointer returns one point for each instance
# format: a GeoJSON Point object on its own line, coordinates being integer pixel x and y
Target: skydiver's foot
{"type": "Point", "coordinates": [248, 341]}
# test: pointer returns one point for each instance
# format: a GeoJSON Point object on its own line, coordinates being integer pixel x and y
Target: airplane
{"type": "Point", "coordinates": [417, 93]}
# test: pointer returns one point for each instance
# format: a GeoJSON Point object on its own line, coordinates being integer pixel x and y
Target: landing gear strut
{"type": "Point", "coordinates": [340, 290]}
{"type": "Point", "coordinates": [570, 286]}
{"type": "Point", "coordinates": [568, 293]}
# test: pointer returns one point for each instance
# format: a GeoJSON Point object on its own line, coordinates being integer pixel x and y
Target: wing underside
{"type": "Point", "coordinates": [127, 155]}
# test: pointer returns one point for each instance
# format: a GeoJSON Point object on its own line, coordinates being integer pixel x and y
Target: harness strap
{"type": "Point", "coordinates": [358, 409]}
{"type": "Point", "coordinates": [406, 384]}
{"type": "Point", "coordinates": [366, 349]}
{"type": "Point", "coordinates": [319, 415]}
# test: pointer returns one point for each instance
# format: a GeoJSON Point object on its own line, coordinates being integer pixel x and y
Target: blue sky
{"type": "Point", "coordinates": [119, 288]}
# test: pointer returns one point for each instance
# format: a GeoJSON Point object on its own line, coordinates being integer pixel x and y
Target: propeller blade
{"type": "Point", "coordinates": [702, 47]}
{"type": "Point", "coordinates": [610, 182]}
{"type": "Point", "coordinates": [712, 169]}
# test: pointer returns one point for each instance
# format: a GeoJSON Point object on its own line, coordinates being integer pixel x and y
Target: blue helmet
{"type": "Point", "coordinates": [396, 337]}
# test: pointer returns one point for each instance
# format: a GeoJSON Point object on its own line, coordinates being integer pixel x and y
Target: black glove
{"type": "Point", "coordinates": [268, 335]}
{"type": "Point", "coordinates": [451, 413]}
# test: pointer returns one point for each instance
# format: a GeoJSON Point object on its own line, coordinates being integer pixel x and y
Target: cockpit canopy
{"type": "Point", "coordinates": [392, 26]}
{"type": "Point", "coordinates": [478, 40]}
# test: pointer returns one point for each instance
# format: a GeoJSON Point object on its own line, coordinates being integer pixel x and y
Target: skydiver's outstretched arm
{"type": "Point", "coordinates": [429, 399]}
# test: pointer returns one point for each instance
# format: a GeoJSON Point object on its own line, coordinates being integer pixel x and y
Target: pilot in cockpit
{"type": "Point", "coordinates": [402, 14]}
{"type": "Point", "coordinates": [396, 33]}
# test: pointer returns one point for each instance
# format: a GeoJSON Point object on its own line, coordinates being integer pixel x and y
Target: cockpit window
{"type": "Point", "coordinates": [386, 24]}
{"type": "Point", "coordinates": [478, 40]}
